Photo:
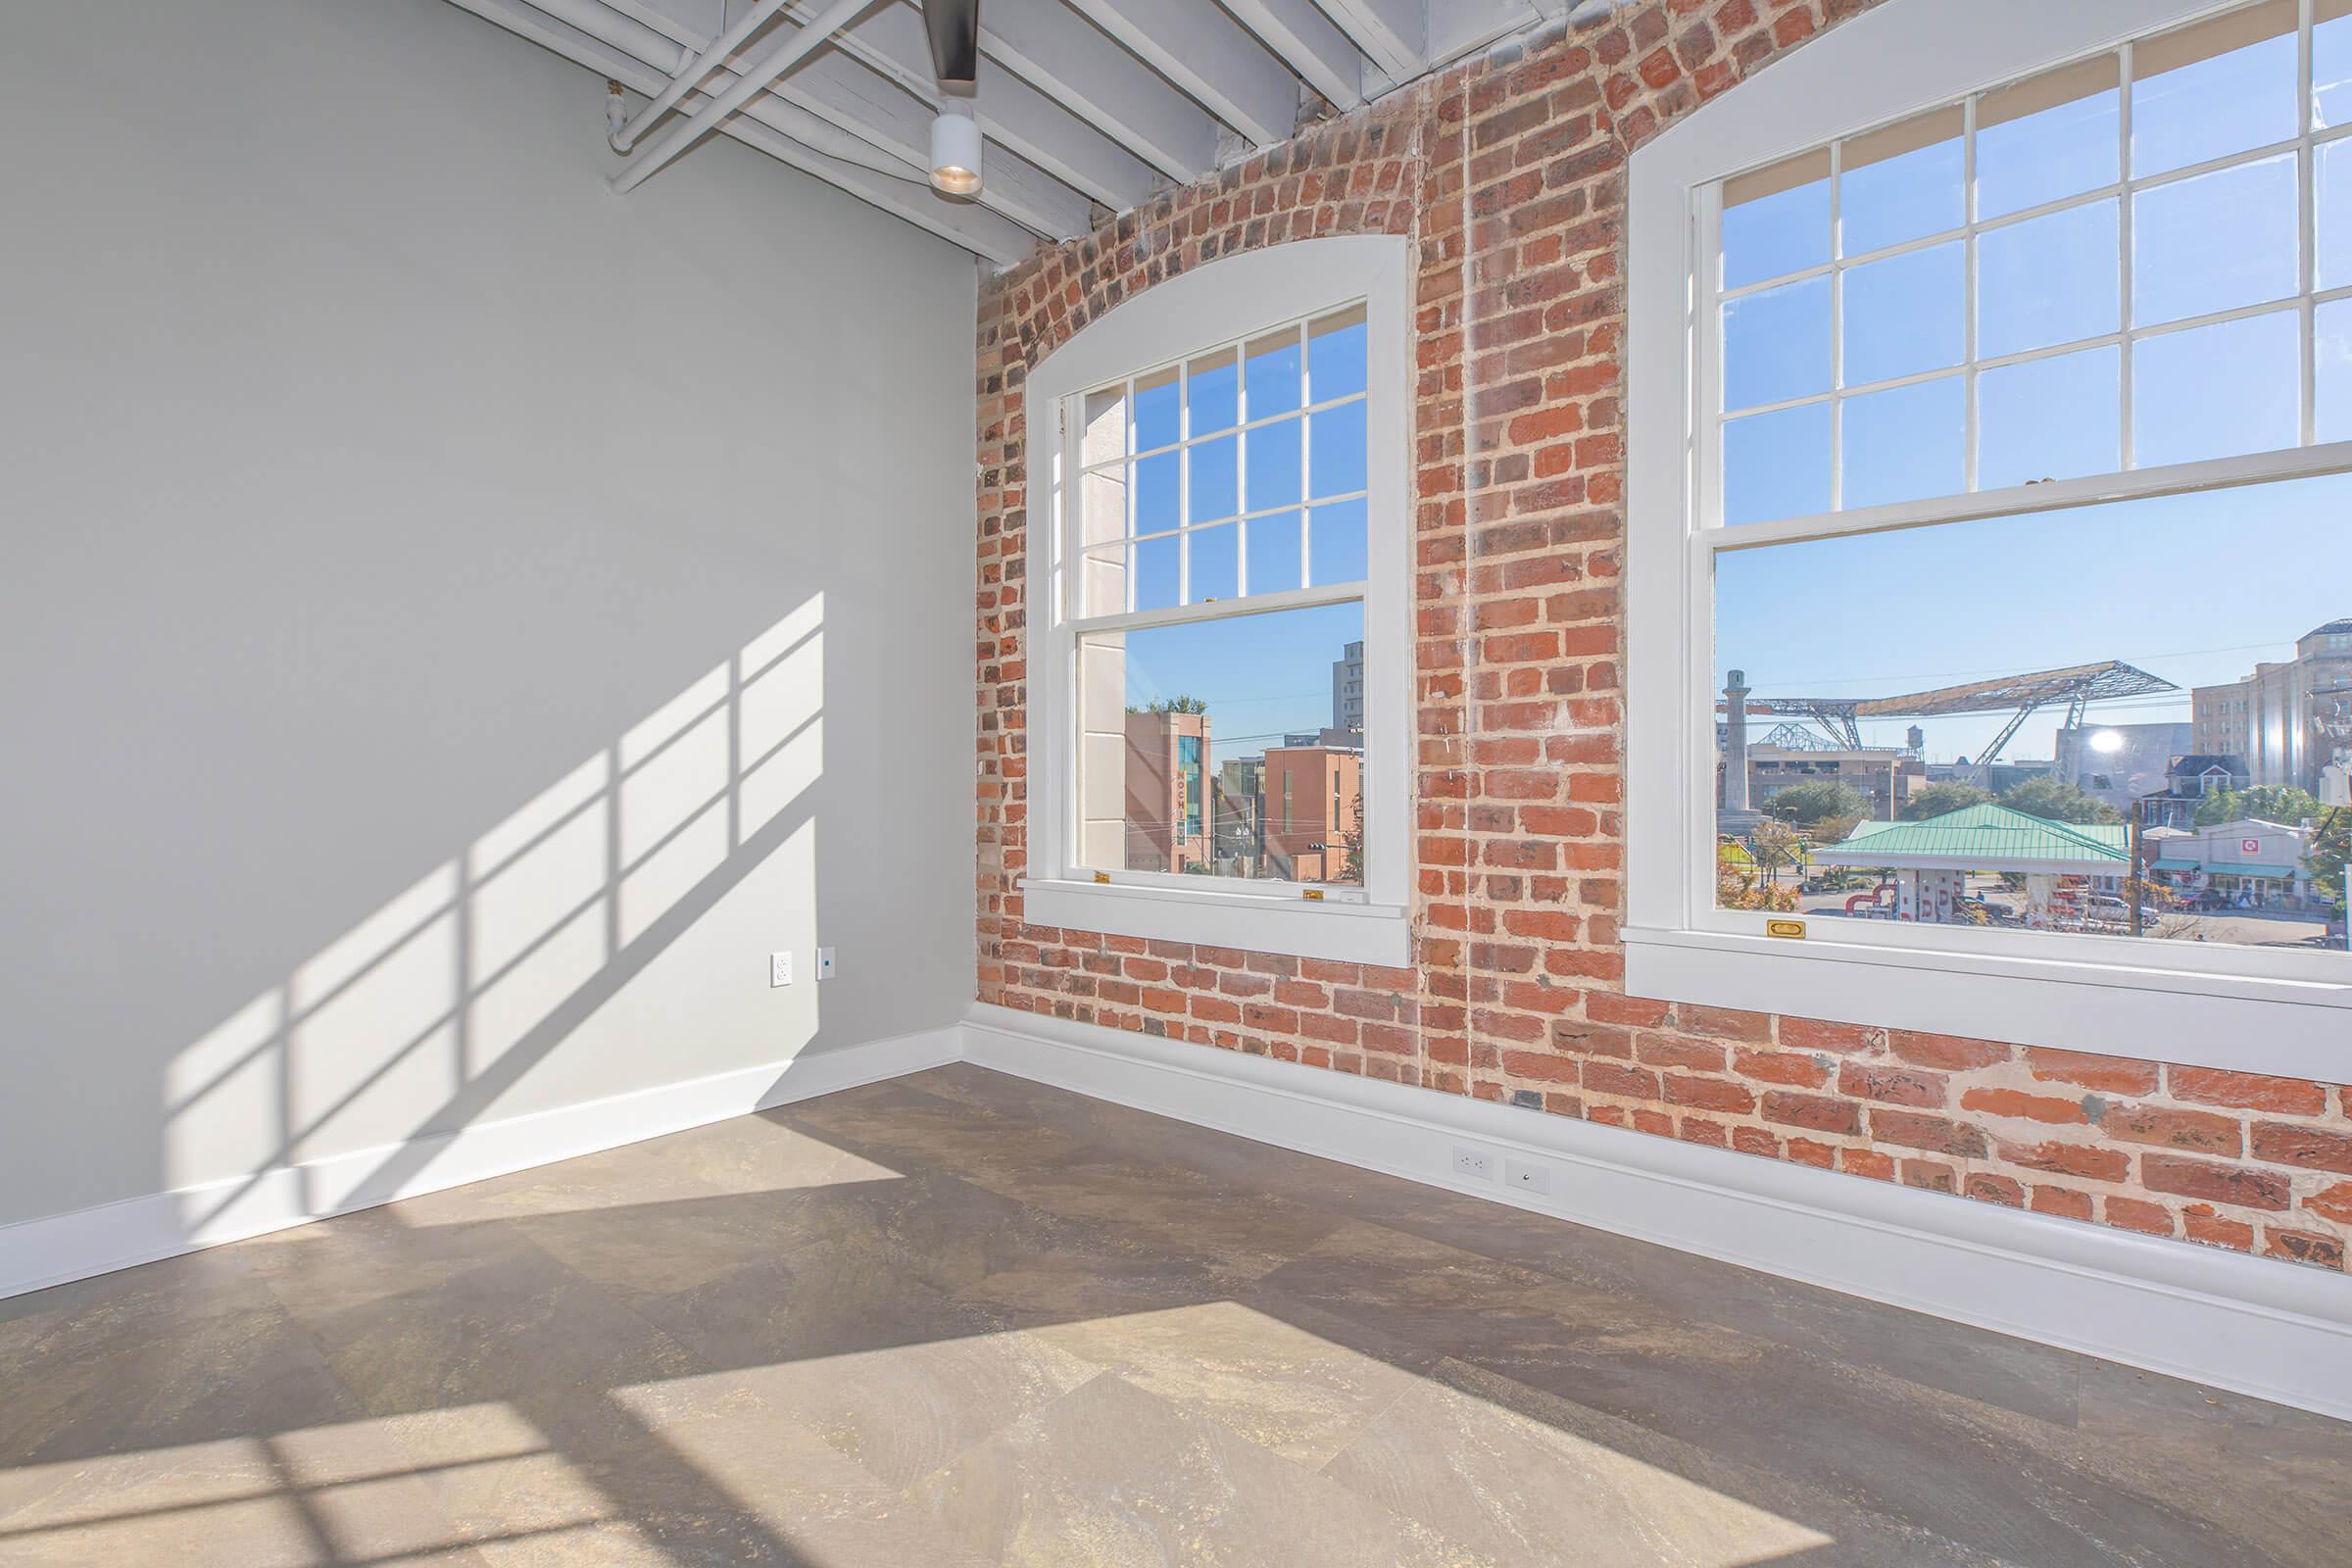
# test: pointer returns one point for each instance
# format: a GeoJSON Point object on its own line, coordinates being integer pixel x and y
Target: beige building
{"type": "Point", "coordinates": [2288, 721]}
{"type": "Point", "coordinates": [1885, 777]}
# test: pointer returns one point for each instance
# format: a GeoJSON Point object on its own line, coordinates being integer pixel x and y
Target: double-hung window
{"type": "Point", "coordinates": [1219, 736]}
{"type": "Point", "coordinates": [2011, 349]}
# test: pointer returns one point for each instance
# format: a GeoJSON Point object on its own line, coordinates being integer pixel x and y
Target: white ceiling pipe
{"type": "Point", "coordinates": [614, 30]}
{"type": "Point", "coordinates": [985, 233]}
{"type": "Point", "coordinates": [753, 81]}
{"type": "Point", "coordinates": [688, 76]}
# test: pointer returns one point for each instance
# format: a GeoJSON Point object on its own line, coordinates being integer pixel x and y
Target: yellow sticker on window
{"type": "Point", "coordinates": [1102, 876]}
{"type": "Point", "coordinates": [1311, 893]}
{"type": "Point", "coordinates": [1792, 930]}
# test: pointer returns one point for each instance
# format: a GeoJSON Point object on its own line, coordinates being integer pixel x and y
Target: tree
{"type": "Point", "coordinates": [2268, 803]}
{"type": "Point", "coordinates": [1819, 802]}
{"type": "Point", "coordinates": [1354, 839]}
{"type": "Point", "coordinates": [2054, 801]}
{"type": "Point", "coordinates": [1938, 799]}
{"type": "Point", "coordinates": [1739, 887]}
{"type": "Point", "coordinates": [2330, 849]}
{"type": "Point", "coordinates": [1175, 704]}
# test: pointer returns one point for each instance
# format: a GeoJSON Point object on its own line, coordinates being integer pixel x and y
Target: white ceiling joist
{"type": "Point", "coordinates": [1204, 51]}
{"type": "Point", "coordinates": [1068, 59]}
{"type": "Point", "coordinates": [975, 230]}
{"type": "Point", "coordinates": [1305, 38]}
{"type": "Point", "coordinates": [1394, 32]}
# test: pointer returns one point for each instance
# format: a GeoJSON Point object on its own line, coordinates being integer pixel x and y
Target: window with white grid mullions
{"type": "Point", "coordinates": [2129, 261]}
{"type": "Point", "coordinates": [1217, 533]}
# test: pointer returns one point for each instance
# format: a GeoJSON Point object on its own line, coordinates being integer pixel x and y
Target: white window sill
{"type": "Point", "coordinates": [2292, 1028]}
{"type": "Point", "coordinates": [1346, 933]}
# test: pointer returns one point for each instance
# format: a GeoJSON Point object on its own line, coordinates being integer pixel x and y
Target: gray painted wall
{"type": "Point", "coordinates": [371, 472]}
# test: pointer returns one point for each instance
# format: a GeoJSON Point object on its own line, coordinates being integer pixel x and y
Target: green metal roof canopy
{"type": "Point", "coordinates": [1983, 838]}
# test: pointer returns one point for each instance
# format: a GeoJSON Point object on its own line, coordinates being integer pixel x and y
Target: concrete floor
{"type": "Point", "coordinates": [959, 1319]}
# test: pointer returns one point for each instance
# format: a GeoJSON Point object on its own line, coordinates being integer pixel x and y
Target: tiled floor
{"type": "Point", "coordinates": [961, 1319]}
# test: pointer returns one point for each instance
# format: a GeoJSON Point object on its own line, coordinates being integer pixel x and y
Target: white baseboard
{"type": "Point", "coordinates": [58, 1247]}
{"type": "Point", "coordinates": [2278, 1331]}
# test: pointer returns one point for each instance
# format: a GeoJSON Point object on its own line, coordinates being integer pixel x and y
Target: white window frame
{"type": "Point", "coordinates": [1227, 301]}
{"type": "Point", "coordinates": [2252, 1009]}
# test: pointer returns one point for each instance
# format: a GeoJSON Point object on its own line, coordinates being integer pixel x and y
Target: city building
{"type": "Point", "coordinates": [1236, 815]}
{"type": "Point", "coordinates": [2290, 719]}
{"type": "Point", "coordinates": [2261, 861]}
{"type": "Point", "coordinates": [2119, 763]}
{"type": "Point", "coordinates": [1168, 790]}
{"type": "Point", "coordinates": [1347, 690]}
{"type": "Point", "coordinates": [1883, 775]}
{"type": "Point", "coordinates": [1313, 807]}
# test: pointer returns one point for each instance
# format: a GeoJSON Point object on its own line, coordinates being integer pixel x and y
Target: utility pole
{"type": "Point", "coordinates": [2133, 883]}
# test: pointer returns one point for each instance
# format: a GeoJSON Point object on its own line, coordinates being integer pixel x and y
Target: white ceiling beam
{"type": "Point", "coordinates": [1394, 32]}
{"type": "Point", "coordinates": [1011, 111]}
{"type": "Point", "coordinates": [982, 233]}
{"type": "Point", "coordinates": [1211, 57]}
{"type": "Point", "coordinates": [1304, 38]}
{"type": "Point", "coordinates": [1457, 26]}
{"type": "Point", "coordinates": [1070, 61]}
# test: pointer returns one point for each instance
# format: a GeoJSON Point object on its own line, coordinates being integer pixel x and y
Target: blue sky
{"type": "Point", "coordinates": [1261, 675]}
{"type": "Point", "coordinates": [2194, 588]}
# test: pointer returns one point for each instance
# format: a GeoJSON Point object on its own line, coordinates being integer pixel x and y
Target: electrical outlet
{"type": "Point", "coordinates": [1474, 1162]}
{"type": "Point", "coordinates": [779, 969]}
{"type": "Point", "coordinates": [1525, 1177]}
{"type": "Point", "coordinates": [824, 964]}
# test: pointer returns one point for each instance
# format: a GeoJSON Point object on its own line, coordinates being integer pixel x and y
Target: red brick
{"type": "Point", "coordinates": [1893, 1085]}
{"type": "Point", "coordinates": [1948, 1053]}
{"type": "Point", "coordinates": [2214, 1183]}
{"type": "Point", "coordinates": [2303, 1246]}
{"type": "Point", "coordinates": [2065, 1201]}
{"type": "Point", "coordinates": [2248, 1090]}
{"type": "Point", "coordinates": [2333, 1202]}
{"type": "Point", "coordinates": [2312, 1148]}
{"type": "Point", "coordinates": [2112, 1075]}
{"type": "Point", "coordinates": [1818, 1112]}
{"type": "Point", "coordinates": [1812, 1034]}
{"type": "Point", "coordinates": [2021, 1107]}
{"type": "Point", "coordinates": [1709, 1093]}
{"type": "Point", "coordinates": [2138, 1214]}
{"type": "Point", "coordinates": [2068, 1159]}
{"type": "Point", "coordinates": [2201, 1129]}
{"type": "Point", "coordinates": [1935, 1134]}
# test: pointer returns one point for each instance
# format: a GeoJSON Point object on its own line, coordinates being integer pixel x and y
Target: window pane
{"type": "Point", "coordinates": [2332, 360]}
{"type": "Point", "coordinates": [1216, 479]}
{"type": "Point", "coordinates": [1274, 545]}
{"type": "Point", "coordinates": [1103, 582]}
{"type": "Point", "coordinates": [2331, 63]}
{"type": "Point", "coordinates": [1103, 505]}
{"type": "Point", "coordinates": [1216, 565]}
{"type": "Point", "coordinates": [2333, 190]}
{"type": "Point", "coordinates": [1183, 762]}
{"type": "Point", "coordinates": [1158, 417]}
{"type": "Point", "coordinates": [2049, 138]}
{"type": "Point", "coordinates": [1214, 389]}
{"type": "Point", "coordinates": [2218, 87]}
{"type": "Point", "coordinates": [1776, 344]}
{"type": "Point", "coordinates": [2054, 419]}
{"type": "Point", "coordinates": [1904, 443]}
{"type": "Point", "coordinates": [1777, 464]}
{"type": "Point", "coordinates": [1272, 374]}
{"type": "Point", "coordinates": [1335, 543]}
{"type": "Point", "coordinates": [1903, 182]}
{"type": "Point", "coordinates": [2215, 242]}
{"type": "Point", "coordinates": [1335, 356]}
{"type": "Point", "coordinates": [1106, 425]}
{"type": "Point", "coordinates": [1776, 220]}
{"type": "Point", "coordinates": [1924, 820]}
{"type": "Point", "coordinates": [2049, 279]}
{"type": "Point", "coordinates": [1158, 490]}
{"type": "Point", "coordinates": [1335, 446]}
{"type": "Point", "coordinates": [2215, 391]}
{"type": "Point", "coordinates": [1904, 314]}
{"type": "Point", "coordinates": [1155, 568]}
{"type": "Point", "coordinates": [1273, 463]}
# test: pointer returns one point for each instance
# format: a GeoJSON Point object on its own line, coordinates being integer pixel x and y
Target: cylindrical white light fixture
{"type": "Point", "coordinates": [956, 150]}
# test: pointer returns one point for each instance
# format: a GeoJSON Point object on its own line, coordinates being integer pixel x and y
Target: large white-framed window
{"type": "Point", "coordinates": [2010, 346]}
{"type": "Point", "coordinates": [1220, 732]}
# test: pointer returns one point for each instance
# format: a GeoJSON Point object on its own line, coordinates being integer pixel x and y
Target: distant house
{"type": "Point", "coordinates": [2262, 859]}
{"type": "Point", "coordinates": [2187, 782]}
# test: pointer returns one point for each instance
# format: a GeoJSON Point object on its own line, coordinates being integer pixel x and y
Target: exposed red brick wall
{"type": "Point", "coordinates": [1509, 174]}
